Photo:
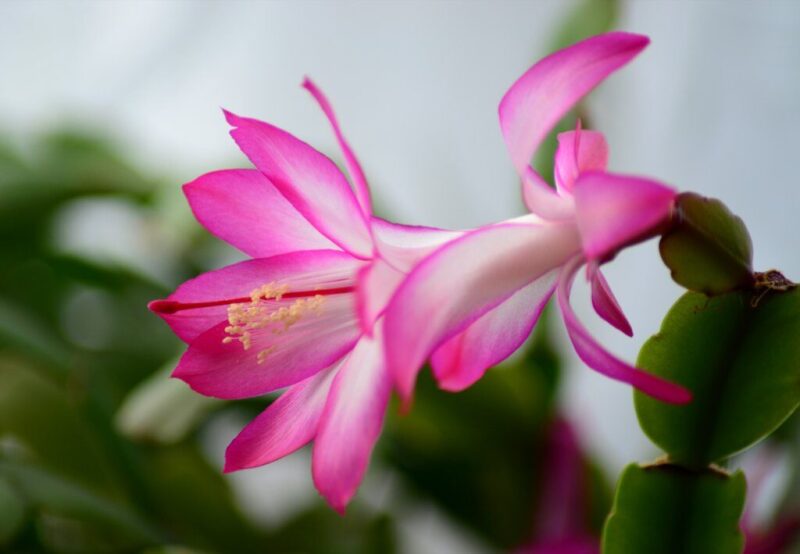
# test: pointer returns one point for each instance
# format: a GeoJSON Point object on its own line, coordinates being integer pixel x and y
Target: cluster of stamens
{"type": "Point", "coordinates": [245, 318]}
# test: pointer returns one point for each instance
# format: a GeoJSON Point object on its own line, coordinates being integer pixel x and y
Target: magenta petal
{"type": "Point", "coordinates": [605, 303]}
{"type": "Point", "coordinates": [599, 359]}
{"type": "Point", "coordinates": [542, 200]}
{"type": "Point", "coordinates": [289, 423]}
{"type": "Point", "coordinates": [545, 93]}
{"type": "Point", "coordinates": [376, 285]}
{"type": "Point", "coordinates": [243, 208]}
{"type": "Point", "coordinates": [306, 270]}
{"type": "Point", "coordinates": [541, 97]}
{"type": "Point", "coordinates": [351, 162]}
{"type": "Point", "coordinates": [461, 281]}
{"type": "Point", "coordinates": [403, 246]}
{"type": "Point", "coordinates": [309, 180]}
{"type": "Point", "coordinates": [578, 151]}
{"type": "Point", "coordinates": [351, 422]}
{"type": "Point", "coordinates": [584, 544]}
{"type": "Point", "coordinates": [614, 211]}
{"type": "Point", "coordinates": [564, 497]}
{"type": "Point", "coordinates": [463, 359]}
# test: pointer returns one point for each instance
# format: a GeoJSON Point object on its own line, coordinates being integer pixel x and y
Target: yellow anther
{"type": "Point", "coordinates": [243, 318]}
{"type": "Point", "coordinates": [264, 353]}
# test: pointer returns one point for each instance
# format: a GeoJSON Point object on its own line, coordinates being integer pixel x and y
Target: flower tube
{"type": "Point", "coordinates": [474, 301]}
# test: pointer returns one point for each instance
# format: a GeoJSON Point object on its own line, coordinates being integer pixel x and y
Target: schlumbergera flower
{"type": "Point", "coordinates": [305, 313]}
{"type": "Point", "coordinates": [475, 300]}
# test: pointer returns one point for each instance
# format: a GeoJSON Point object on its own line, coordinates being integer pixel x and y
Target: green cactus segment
{"type": "Point", "coordinates": [742, 364]}
{"type": "Point", "coordinates": [665, 509]}
{"type": "Point", "coordinates": [708, 249]}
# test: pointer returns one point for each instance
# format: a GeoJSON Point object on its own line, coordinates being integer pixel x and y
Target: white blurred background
{"type": "Point", "coordinates": [711, 106]}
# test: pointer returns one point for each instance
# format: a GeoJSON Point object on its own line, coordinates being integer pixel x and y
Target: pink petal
{"type": "Point", "coordinates": [546, 92]}
{"type": "Point", "coordinates": [463, 359]}
{"type": "Point", "coordinates": [400, 247]}
{"type": "Point", "coordinates": [351, 422]}
{"type": "Point", "coordinates": [350, 161]}
{"type": "Point", "coordinates": [599, 359]}
{"type": "Point", "coordinates": [614, 211]}
{"type": "Point", "coordinates": [216, 366]}
{"type": "Point", "coordinates": [309, 180]}
{"type": "Point", "coordinates": [243, 208]}
{"type": "Point", "coordinates": [585, 544]}
{"type": "Point", "coordinates": [299, 271]}
{"type": "Point", "coordinates": [463, 280]}
{"type": "Point", "coordinates": [288, 424]}
{"type": "Point", "coordinates": [564, 497]}
{"type": "Point", "coordinates": [377, 283]}
{"type": "Point", "coordinates": [591, 154]}
{"type": "Point", "coordinates": [541, 199]}
{"type": "Point", "coordinates": [403, 246]}
{"type": "Point", "coordinates": [605, 303]}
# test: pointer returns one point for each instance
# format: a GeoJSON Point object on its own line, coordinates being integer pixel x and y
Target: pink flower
{"type": "Point", "coordinates": [305, 312]}
{"type": "Point", "coordinates": [475, 300]}
{"type": "Point", "coordinates": [779, 534]}
{"type": "Point", "coordinates": [562, 510]}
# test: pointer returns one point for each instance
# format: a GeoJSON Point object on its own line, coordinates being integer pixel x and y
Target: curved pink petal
{"type": "Point", "coordinates": [202, 302]}
{"type": "Point", "coordinates": [599, 359]}
{"type": "Point", "coordinates": [463, 280]}
{"type": "Point", "coordinates": [403, 246]}
{"type": "Point", "coordinates": [613, 211]}
{"type": "Point", "coordinates": [463, 359]}
{"type": "Point", "coordinates": [308, 179]}
{"type": "Point", "coordinates": [350, 161]}
{"type": "Point", "coordinates": [218, 364]}
{"type": "Point", "coordinates": [288, 424]}
{"type": "Point", "coordinates": [546, 92]}
{"type": "Point", "coordinates": [376, 285]}
{"type": "Point", "coordinates": [243, 208]}
{"type": "Point", "coordinates": [351, 422]}
{"type": "Point", "coordinates": [605, 303]}
{"type": "Point", "coordinates": [541, 199]}
{"type": "Point", "coordinates": [578, 151]}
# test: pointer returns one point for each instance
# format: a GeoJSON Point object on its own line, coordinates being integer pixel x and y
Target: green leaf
{"type": "Point", "coordinates": [23, 332]}
{"type": "Point", "coordinates": [51, 427]}
{"type": "Point", "coordinates": [665, 509]}
{"type": "Point", "coordinates": [708, 249]}
{"type": "Point", "coordinates": [742, 364]}
{"type": "Point", "coordinates": [194, 501]}
{"type": "Point", "coordinates": [12, 512]}
{"type": "Point", "coordinates": [90, 518]}
{"type": "Point", "coordinates": [321, 531]}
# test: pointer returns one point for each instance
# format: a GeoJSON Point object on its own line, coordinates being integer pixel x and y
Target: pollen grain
{"type": "Point", "coordinates": [258, 314]}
